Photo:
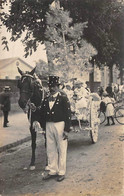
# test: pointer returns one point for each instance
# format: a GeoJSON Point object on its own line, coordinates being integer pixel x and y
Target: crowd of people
{"type": "Point", "coordinates": [116, 92]}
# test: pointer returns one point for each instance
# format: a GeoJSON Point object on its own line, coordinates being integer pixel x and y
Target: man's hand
{"type": "Point", "coordinates": [65, 135]}
{"type": "Point", "coordinates": [37, 127]}
{"type": "Point", "coordinates": [33, 107]}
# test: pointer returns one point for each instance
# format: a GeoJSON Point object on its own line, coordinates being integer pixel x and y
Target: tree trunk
{"type": "Point", "coordinates": [111, 74]}
{"type": "Point", "coordinates": [50, 62]}
{"type": "Point", "coordinates": [91, 81]}
{"type": "Point", "coordinates": [121, 75]}
{"type": "Point", "coordinates": [91, 78]}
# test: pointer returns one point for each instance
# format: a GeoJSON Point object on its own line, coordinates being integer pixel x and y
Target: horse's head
{"type": "Point", "coordinates": [26, 85]}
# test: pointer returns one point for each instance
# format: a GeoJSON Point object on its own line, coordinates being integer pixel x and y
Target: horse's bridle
{"type": "Point", "coordinates": [29, 105]}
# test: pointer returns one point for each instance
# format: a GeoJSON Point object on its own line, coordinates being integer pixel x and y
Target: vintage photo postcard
{"type": "Point", "coordinates": [61, 97]}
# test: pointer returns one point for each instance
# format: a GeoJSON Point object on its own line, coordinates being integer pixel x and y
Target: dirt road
{"type": "Point", "coordinates": [92, 169]}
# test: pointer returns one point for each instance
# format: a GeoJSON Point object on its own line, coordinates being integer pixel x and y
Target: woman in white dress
{"type": "Point", "coordinates": [109, 108]}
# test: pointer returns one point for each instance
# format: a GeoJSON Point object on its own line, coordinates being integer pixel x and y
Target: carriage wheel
{"type": "Point", "coordinates": [93, 124]}
{"type": "Point", "coordinates": [94, 133]}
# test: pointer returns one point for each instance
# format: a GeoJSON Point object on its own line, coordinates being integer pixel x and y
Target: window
{"type": "Point", "coordinates": [17, 77]}
{"type": "Point", "coordinates": [6, 77]}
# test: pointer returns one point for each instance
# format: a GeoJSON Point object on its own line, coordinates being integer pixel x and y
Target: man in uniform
{"type": "Point", "coordinates": [5, 104]}
{"type": "Point", "coordinates": [56, 120]}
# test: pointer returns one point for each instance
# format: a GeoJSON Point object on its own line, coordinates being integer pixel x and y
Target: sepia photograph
{"type": "Point", "coordinates": [62, 98]}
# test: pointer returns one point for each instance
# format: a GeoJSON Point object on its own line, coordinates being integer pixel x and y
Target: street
{"type": "Point", "coordinates": [92, 169]}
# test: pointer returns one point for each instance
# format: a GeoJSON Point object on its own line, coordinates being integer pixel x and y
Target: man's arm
{"type": "Point", "coordinates": [42, 115]}
{"type": "Point", "coordinates": [67, 113]}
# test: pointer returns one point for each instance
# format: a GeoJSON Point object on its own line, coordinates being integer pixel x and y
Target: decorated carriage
{"type": "Point", "coordinates": [84, 108]}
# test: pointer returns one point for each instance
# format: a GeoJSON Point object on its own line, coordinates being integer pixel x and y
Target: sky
{"type": "Point", "coordinates": [16, 49]}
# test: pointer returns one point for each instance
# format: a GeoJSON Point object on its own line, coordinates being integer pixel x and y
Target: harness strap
{"type": "Point", "coordinates": [27, 75]}
{"type": "Point", "coordinates": [29, 116]}
{"type": "Point", "coordinates": [30, 109]}
{"type": "Point", "coordinates": [109, 103]}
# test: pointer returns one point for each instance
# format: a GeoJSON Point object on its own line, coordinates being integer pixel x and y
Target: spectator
{"type": "Point", "coordinates": [110, 92]}
{"type": "Point", "coordinates": [109, 108]}
{"type": "Point", "coordinates": [5, 104]}
{"type": "Point", "coordinates": [117, 93]}
{"type": "Point", "coordinates": [100, 91]}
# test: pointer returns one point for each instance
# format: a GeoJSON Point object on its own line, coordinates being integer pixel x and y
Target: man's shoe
{"type": "Point", "coordinates": [107, 124]}
{"type": "Point", "coordinates": [113, 123]}
{"type": "Point", "coordinates": [48, 176]}
{"type": "Point", "coordinates": [60, 178]}
{"type": "Point", "coordinates": [5, 126]}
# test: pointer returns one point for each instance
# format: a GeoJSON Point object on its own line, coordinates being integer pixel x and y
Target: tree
{"type": "Point", "coordinates": [105, 27]}
{"type": "Point", "coordinates": [68, 51]}
{"type": "Point", "coordinates": [42, 68]}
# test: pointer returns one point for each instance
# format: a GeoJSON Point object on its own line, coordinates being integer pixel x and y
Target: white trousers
{"type": "Point", "coordinates": [56, 148]}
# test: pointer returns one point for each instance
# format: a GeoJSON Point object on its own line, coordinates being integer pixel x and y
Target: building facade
{"type": "Point", "coordinates": [9, 77]}
{"type": "Point", "coordinates": [8, 68]}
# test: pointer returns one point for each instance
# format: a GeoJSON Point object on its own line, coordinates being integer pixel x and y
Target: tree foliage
{"type": "Point", "coordinates": [105, 26]}
{"type": "Point", "coordinates": [42, 68]}
{"type": "Point", "coordinates": [68, 51]}
{"type": "Point", "coordinates": [26, 16]}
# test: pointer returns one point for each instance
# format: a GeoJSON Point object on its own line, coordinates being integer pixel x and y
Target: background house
{"type": "Point", "coordinates": [8, 68]}
{"type": "Point", "coordinates": [9, 72]}
{"type": "Point", "coordinates": [9, 77]}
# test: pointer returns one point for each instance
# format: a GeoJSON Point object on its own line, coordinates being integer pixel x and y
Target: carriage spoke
{"type": "Point", "coordinates": [119, 115]}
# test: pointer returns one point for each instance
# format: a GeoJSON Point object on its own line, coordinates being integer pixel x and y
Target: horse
{"type": "Point", "coordinates": [30, 100]}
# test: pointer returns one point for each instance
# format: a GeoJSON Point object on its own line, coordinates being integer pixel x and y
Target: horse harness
{"type": "Point", "coordinates": [30, 105]}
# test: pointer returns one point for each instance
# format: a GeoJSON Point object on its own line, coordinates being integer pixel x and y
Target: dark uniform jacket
{"type": "Point", "coordinates": [59, 112]}
{"type": "Point", "coordinates": [5, 101]}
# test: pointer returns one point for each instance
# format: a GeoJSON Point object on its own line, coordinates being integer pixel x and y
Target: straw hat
{"type": "Point", "coordinates": [6, 88]}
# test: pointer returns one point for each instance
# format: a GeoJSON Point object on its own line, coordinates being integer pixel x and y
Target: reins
{"type": "Point", "coordinates": [32, 107]}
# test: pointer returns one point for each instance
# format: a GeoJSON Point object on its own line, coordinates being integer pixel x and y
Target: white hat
{"type": "Point", "coordinates": [6, 88]}
{"type": "Point", "coordinates": [78, 82]}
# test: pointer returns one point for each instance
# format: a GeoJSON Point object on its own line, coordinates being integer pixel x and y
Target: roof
{"type": "Point", "coordinates": [5, 62]}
